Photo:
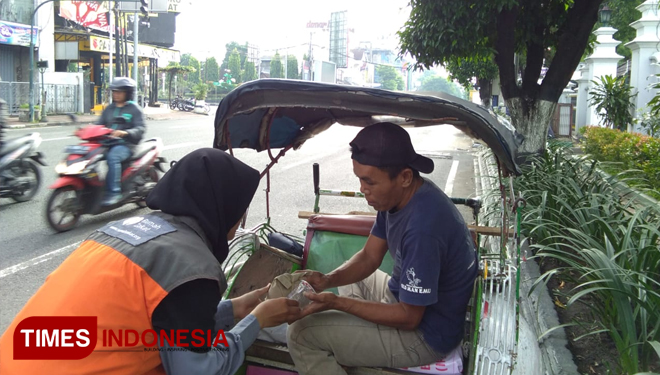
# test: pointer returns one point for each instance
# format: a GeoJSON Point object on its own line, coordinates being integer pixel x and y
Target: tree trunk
{"type": "Point", "coordinates": [485, 92]}
{"type": "Point", "coordinates": [531, 120]}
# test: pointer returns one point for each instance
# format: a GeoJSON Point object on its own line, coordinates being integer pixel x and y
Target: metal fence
{"type": "Point", "coordinates": [60, 98]}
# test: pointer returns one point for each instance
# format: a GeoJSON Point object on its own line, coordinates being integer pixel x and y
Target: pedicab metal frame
{"type": "Point", "coordinates": [281, 114]}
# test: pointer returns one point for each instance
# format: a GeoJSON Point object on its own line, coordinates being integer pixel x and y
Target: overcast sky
{"type": "Point", "coordinates": [205, 26]}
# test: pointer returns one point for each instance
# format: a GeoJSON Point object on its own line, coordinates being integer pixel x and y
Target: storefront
{"type": "Point", "coordinates": [91, 53]}
{"type": "Point", "coordinates": [14, 51]}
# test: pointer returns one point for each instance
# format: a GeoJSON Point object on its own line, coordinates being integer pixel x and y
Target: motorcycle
{"type": "Point", "coordinates": [79, 189]}
{"type": "Point", "coordinates": [186, 104]}
{"type": "Point", "coordinates": [19, 173]}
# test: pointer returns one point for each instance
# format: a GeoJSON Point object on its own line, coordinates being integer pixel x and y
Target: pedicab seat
{"type": "Point", "coordinates": [359, 225]}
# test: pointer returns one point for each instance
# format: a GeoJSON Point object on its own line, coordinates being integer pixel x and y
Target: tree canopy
{"type": "Point", "coordinates": [389, 78]}
{"type": "Point", "coordinates": [276, 67]}
{"type": "Point", "coordinates": [511, 31]}
{"type": "Point", "coordinates": [212, 70]}
{"type": "Point", "coordinates": [292, 67]}
{"type": "Point", "coordinates": [250, 72]}
{"type": "Point", "coordinates": [230, 47]}
{"type": "Point", "coordinates": [172, 70]}
{"type": "Point", "coordinates": [234, 65]}
{"type": "Point", "coordinates": [434, 83]}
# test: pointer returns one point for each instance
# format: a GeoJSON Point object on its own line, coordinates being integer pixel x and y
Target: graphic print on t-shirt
{"type": "Point", "coordinates": [413, 283]}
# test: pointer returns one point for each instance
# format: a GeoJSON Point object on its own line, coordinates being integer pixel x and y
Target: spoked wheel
{"type": "Point", "coordinates": [29, 177]}
{"type": "Point", "coordinates": [63, 209]}
{"type": "Point", "coordinates": [149, 176]}
{"type": "Point", "coordinates": [173, 104]}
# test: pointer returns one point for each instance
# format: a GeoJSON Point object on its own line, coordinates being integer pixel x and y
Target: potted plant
{"type": "Point", "coordinates": [200, 90]}
{"type": "Point", "coordinates": [24, 112]}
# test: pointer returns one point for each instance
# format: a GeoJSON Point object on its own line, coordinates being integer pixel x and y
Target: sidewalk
{"type": "Point", "coordinates": [151, 114]}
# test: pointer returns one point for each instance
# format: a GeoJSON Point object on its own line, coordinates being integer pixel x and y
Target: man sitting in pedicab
{"type": "Point", "coordinates": [416, 316]}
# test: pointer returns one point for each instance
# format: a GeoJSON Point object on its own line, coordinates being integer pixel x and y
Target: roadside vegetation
{"type": "Point", "coordinates": [599, 253]}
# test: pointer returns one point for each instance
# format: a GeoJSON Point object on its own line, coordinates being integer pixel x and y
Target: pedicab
{"type": "Point", "coordinates": [278, 116]}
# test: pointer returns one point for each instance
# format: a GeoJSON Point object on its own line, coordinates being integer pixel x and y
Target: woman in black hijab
{"type": "Point", "coordinates": [215, 189]}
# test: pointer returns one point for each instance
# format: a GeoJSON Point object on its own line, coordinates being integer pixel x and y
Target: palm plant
{"type": "Point", "coordinates": [612, 97]}
{"type": "Point", "coordinates": [607, 245]}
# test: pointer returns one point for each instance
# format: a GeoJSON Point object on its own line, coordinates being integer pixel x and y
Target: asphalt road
{"type": "Point", "coordinates": [30, 249]}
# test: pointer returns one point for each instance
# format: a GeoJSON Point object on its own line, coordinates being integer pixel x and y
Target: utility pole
{"type": "Point", "coordinates": [136, 23]}
{"type": "Point", "coordinates": [110, 31]}
{"type": "Point", "coordinates": [117, 42]}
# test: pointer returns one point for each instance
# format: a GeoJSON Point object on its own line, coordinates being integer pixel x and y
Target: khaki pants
{"type": "Point", "coordinates": [321, 343]}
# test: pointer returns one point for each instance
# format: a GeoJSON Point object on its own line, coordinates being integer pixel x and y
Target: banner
{"type": "Point", "coordinates": [101, 44]}
{"type": "Point", "coordinates": [92, 14]}
{"type": "Point", "coordinates": [16, 34]}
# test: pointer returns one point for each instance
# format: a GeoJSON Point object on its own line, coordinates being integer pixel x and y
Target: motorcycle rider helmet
{"type": "Point", "coordinates": [124, 84]}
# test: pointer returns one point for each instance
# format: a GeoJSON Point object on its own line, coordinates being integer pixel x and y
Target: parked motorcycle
{"type": "Point", "coordinates": [186, 104]}
{"type": "Point", "coordinates": [174, 104]}
{"type": "Point", "coordinates": [19, 173]}
{"type": "Point", "coordinates": [79, 189]}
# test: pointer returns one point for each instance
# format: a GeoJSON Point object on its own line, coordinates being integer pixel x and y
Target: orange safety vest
{"type": "Point", "coordinates": [121, 285]}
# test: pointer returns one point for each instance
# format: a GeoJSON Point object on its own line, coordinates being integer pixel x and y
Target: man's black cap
{"type": "Point", "coordinates": [387, 145]}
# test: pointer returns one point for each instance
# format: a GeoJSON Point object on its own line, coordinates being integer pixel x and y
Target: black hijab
{"type": "Point", "coordinates": [210, 186]}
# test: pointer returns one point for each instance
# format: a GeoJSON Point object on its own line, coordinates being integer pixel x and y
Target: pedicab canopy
{"type": "Point", "coordinates": [276, 113]}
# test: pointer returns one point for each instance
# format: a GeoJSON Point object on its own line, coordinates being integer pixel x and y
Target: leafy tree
{"type": "Point", "coordinates": [173, 70]}
{"type": "Point", "coordinates": [613, 97]}
{"type": "Point", "coordinates": [389, 78]}
{"type": "Point", "coordinates": [212, 70]}
{"type": "Point", "coordinates": [435, 83]}
{"type": "Point", "coordinates": [485, 70]}
{"type": "Point", "coordinates": [229, 49]}
{"type": "Point", "coordinates": [292, 67]}
{"type": "Point", "coordinates": [234, 65]}
{"type": "Point", "coordinates": [439, 31]}
{"type": "Point", "coordinates": [250, 72]}
{"type": "Point", "coordinates": [276, 68]}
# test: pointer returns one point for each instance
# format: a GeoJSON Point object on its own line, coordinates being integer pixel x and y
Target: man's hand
{"type": "Point", "coordinates": [320, 302]}
{"type": "Point", "coordinates": [244, 304]}
{"type": "Point", "coordinates": [317, 280]}
{"type": "Point", "coordinates": [119, 133]}
{"type": "Point", "coordinates": [274, 312]}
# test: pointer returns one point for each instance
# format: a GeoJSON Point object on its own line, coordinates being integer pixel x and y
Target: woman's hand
{"type": "Point", "coordinates": [119, 133]}
{"type": "Point", "coordinates": [274, 312]}
{"type": "Point", "coordinates": [244, 304]}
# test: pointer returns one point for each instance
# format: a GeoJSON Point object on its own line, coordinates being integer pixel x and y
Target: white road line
{"type": "Point", "coordinates": [450, 179]}
{"type": "Point", "coordinates": [181, 145]}
{"type": "Point", "coordinates": [55, 139]}
{"type": "Point", "coordinates": [40, 259]}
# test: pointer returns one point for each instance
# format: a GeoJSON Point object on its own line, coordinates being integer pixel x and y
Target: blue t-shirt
{"type": "Point", "coordinates": [435, 263]}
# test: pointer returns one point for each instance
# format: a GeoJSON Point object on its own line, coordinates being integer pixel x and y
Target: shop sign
{"type": "Point", "coordinates": [101, 44]}
{"type": "Point", "coordinates": [16, 34]}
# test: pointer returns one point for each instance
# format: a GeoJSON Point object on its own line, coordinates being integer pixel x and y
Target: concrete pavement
{"type": "Point", "coordinates": [151, 113]}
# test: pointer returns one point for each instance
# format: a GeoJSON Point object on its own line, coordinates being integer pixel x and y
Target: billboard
{"type": "Point", "coordinates": [339, 39]}
{"type": "Point", "coordinates": [91, 14]}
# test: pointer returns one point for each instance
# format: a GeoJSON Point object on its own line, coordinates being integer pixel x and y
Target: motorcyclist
{"type": "Point", "coordinates": [126, 120]}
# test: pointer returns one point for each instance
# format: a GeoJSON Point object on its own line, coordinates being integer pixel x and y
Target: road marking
{"type": "Point", "coordinates": [181, 145]}
{"type": "Point", "coordinates": [187, 126]}
{"type": "Point", "coordinates": [450, 179]}
{"type": "Point", "coordinates": [40, 259]}
{"type": "Point", "coordinates": [309, 160]}
{"type": "Point", "coordinates": [55, 139]}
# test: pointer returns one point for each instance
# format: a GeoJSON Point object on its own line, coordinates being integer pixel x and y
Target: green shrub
{"type": "Point", "coordinates": [633, 151]}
